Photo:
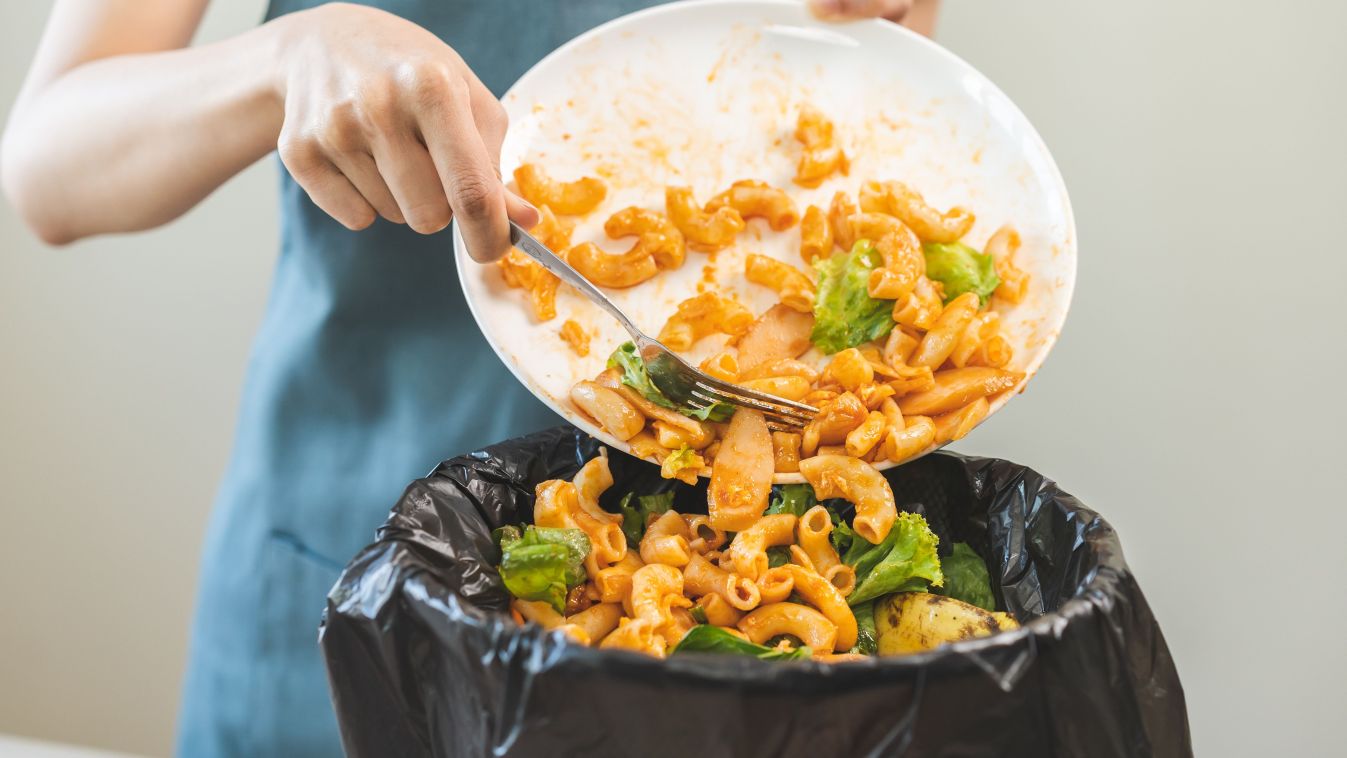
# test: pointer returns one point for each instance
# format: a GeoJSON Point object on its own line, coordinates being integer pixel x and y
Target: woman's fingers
{"type": "Point", "coordinates": [420, 148]}
{"type": "Point", "coordinates": [841, 10]}
{"type": "Point", "coordinates": [413, 180]}
{"type": "Point", "coordinates": [329, 189]}
{"type": "Point", "coordinates": [492, 123]}
{"type": "Point", "coordinates": [466, 169]}
{"type": "Point", "coordinates": [364, 174]}
{"type": "Point", "coordinates": [490, 117]}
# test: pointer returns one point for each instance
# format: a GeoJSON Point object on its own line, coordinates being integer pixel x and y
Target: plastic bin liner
{"type": "Point", "coordinates": [424, 660]}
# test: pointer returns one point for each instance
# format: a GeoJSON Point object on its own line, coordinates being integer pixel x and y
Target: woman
{"type": "Point", "coordinates": [367, 369]}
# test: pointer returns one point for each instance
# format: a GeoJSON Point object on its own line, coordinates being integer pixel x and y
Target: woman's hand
{"type": "Point", "coordinates": [381, 117]}
{"type": "Point", "coordinates": [918, 15]}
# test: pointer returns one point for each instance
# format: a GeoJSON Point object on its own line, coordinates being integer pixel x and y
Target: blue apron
{"type": "Point", "coordinates": [368, 370]}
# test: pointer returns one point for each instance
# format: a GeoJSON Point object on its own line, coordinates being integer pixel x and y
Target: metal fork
{"type": "Point", "coordinates": [682, 383]}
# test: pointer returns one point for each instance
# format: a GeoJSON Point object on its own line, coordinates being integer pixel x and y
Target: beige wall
{"type": "Point", "coordinates": [1192, 398]}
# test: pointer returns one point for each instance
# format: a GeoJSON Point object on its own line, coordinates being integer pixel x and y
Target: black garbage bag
{"type": "Point", "coordinates": [423, 658]}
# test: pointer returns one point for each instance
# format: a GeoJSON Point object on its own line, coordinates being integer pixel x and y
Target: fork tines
{"type": "Point", "coordinates": [781, 414]}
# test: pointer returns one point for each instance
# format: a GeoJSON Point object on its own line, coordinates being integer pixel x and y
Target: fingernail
{"type": "Point", "coordinates": [537, 215]}
{"type": "Point", "coordinates": [826, 8]}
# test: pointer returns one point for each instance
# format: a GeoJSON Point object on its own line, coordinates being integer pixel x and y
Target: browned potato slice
{"type": "Point", "coordinates": [780, 332]}
{"type": "Point", "coordinates": [741, 476]}
{"type": "Point", "coordinates": [608, 408]}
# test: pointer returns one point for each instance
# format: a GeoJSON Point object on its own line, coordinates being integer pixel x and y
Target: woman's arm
{"type": "Point", "coordinates": [120, 127]}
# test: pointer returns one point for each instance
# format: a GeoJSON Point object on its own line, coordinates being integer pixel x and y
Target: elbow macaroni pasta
{"type": "Point", "coordinates": [816, 235]}
{"type": "Point", "coordinates": [666, 541]}
{"type": "Point", "coordinates": [521, 271]}
{"type": "Point", "coordinates": [656, 235]}
{"type": "Point", "coordinates": [1002, 248]}
{"type": "Point", "coordinates": [824, 596]}
{"type": "Point", "coordinates": [566, 198]}
{"type": "Point", "coordinates": [800, 621]}
{"type": "Point", "coordinates": [705, 538]}
{"type": "Point", "coordinates": [899, 200]}
{"type": "Point", "coordinates": [812, 540]}
{"type": "Point", "coordinates": [840, 211]}
{"type": "Point", "coordinates": [705, 231]}
{"type": "Point", "coordinates": [575, 336]}
{"type": "Point", "coordinates": [753, 199]}
{"type": "Point", "coordinates": [820, 157]}
{"type": "Point", "coordinates": [795, 289]}
{"type": "Point", "coordinates": [748, 550]}
{"type": "Point", "coordinates": [846, 477]}
{"type": "Point", "coordinates": [590, 482]}
{"type": "Point", "coordinates": [703, 315]}
{"type": "Point", "coordinates": [615, 270]}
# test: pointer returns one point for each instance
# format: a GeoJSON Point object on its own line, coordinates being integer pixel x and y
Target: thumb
{"type": "Point", "coordinates": [845, 10]}
{"type": "Point", "coordinates": [521, 211]}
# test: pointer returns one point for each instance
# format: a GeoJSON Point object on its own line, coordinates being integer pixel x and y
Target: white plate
{"type": "Point", "coordinates": [705, 93]}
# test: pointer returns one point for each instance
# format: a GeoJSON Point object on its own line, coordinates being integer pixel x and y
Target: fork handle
{"type": "Point", "coordinates": [566, 273]}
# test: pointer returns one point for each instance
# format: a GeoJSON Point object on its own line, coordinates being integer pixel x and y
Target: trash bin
{"type": "Point", "coordinates": [424, 659]}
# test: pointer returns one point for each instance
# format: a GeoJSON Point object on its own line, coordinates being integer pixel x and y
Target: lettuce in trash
{"type": "Point", "coordinates": [867, 637]}
{"type": "Point", "coordinates": [844, 313]}
{"type": "Point", "coordinates": [966, 578]}
{"type": "Point", "coordinates": [627, 360]}
{"type": "Point", "coordinates": [794, 499]}
{"type": "Point", "coordinates": [961, 269]}
{"type": "Point", "coordinates": [712, 639]}
{"type": "Point", "coordinates": [637, 516]}
{"type": "Point", "coordinates": [842, 536]}
{"type": "Point", "coordinates": [540, 563]}
{"type": "Point", "coordinates": [906, 561]}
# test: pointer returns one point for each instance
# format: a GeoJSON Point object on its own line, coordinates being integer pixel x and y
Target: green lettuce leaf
{"type": "Point", "coordinates": [628, 361]}
{"type": "Point", "coordinates": [906, 561]}
{"type": "Point", "coordinates": [778, 555]}
{"type": "Point", "coordinates": [867, 637]}
{"type": "Point", "coordinates": [844, 313]}
{"type": "Point", "coordinates": [541, 563]}
{"type": "Point", "coordinates": [794, 499]}
{"type": "Point", "coordinates": [842, 536]}
{"type": "Point", "coordinates": [636, 517]}
{"type": "Point", "coordinates": [712, 412]}
{"type": "Point", "coordinates": [966, 578]}
{"type": "Point", "coordinates": [635, 376]}
{"type": "Point", "coordinates": [698, 614]}
{"type": "Point", "coordinates": [713, 639]}
{"type": "Point", "coordinates": [961, 269]}
{"type": "Point", "coordinates": [861, 554]}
